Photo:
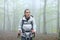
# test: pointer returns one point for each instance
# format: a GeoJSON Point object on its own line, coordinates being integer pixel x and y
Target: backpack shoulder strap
{"type": "Point", "coordinates": [31, 15]}
{"type": "Point", "coordinates": [32, 24]}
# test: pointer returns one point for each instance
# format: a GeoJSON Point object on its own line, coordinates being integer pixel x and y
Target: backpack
{"type": "Point", "coordinates": [23, 24]}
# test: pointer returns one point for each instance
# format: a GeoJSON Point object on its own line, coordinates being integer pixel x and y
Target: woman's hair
{"type": "Point", "coordinates": [26, 10]}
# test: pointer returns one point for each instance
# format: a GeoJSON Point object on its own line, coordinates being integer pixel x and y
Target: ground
{"type": "Point", "coordinates": [8, 35]}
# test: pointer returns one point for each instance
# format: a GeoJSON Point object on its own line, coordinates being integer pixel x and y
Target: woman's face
{"type": "Point", "coordinates": [27, 13]}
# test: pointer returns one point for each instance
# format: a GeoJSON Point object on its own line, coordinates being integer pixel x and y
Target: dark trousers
{"type": "Point", "coordinates": [23, 38]}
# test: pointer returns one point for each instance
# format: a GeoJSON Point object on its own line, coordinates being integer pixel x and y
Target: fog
{"type": "Point", "coordinates": [45, 12]}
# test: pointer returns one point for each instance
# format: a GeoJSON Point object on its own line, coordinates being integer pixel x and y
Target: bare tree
{"type": "Point", "coordinates": [13, 16]}
{"type": "Point", "coordinates": [58, 28]}
{"type": "Point", "coordinates": [4, 15]}
{"type": "Point", "coordinates": [44, 17]}
{"type": "Point", "coordinates": [8, 22]}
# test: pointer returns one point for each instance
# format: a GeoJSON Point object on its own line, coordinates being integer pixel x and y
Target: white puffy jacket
{"type": "Point", "coordinates": [31, 19]}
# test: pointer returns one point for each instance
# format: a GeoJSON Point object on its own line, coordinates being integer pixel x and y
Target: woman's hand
{"type": "Point", "coordinates": [19, 33]}
{"type": "Point", "coordinates": [33, 31]}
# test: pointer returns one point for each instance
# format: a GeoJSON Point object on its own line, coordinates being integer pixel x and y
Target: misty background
{"type": "Point", "coordinates": [45, 12]}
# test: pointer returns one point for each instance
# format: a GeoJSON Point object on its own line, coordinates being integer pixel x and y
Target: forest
{"type": "Point", "coordinates": [45, 12]}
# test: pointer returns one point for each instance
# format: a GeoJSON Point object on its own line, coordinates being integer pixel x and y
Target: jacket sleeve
{"type": "Point", "coordinates": [34, 25]}
{"type": "Point", "coordinates": [19, 26]}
